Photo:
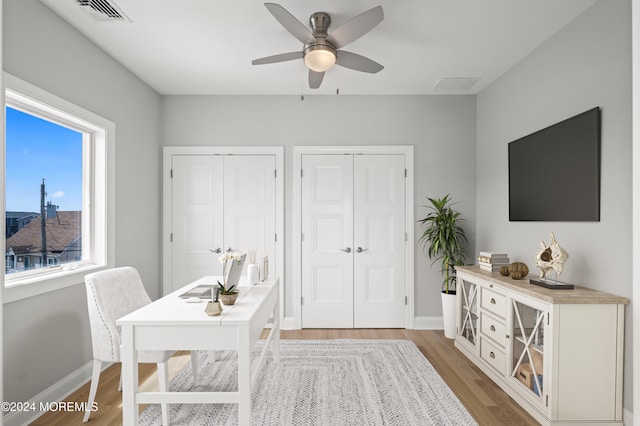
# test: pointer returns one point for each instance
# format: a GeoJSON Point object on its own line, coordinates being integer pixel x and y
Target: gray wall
{"type": "Point", "coordinates": [442, 129]}
{"type": "Point", "coordinates": [586, 64]}
{"type": "Point", "coordinates": [47, 337]}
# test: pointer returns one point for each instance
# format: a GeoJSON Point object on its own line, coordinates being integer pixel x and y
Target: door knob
{"type": "Point", "coordinates": [229, 250]}
{"type": "Point", "coordinates": [360, 249]}
{"type": "Point", "coordinates": [218, 250]}
{"type": "Point", "coordinates": [347, 250]}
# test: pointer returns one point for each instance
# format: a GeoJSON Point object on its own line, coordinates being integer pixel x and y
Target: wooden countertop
{"type": "Point", "coordinates": [579, 295]}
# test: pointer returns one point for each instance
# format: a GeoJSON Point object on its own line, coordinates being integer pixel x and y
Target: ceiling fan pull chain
{"type": "Point", "coordinates": [301, 82]}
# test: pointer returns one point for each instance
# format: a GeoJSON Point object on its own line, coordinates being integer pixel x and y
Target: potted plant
{"type": "Point", "coordinates": [445, 241]}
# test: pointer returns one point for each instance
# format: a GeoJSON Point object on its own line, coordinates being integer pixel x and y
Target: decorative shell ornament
{"type": "Point", "coordinates": [551, 257]}
{"type": "Point", "coordinates": [517, 270]}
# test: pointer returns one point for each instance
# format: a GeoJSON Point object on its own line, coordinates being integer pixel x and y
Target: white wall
{"type": "Point", "coordinates": [47, 337]}
{"type": "Point", "coordinates": [442, 129]}
{"type": "Point", "coordinates": [587, 64]}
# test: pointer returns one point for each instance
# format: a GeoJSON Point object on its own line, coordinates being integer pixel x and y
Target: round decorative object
{"type": "Point", "coordinates": [518, 270]}
{"type": "Point", "coordinates": [504, 270]}
{"type": "Point", "coordinates": [228, 299]}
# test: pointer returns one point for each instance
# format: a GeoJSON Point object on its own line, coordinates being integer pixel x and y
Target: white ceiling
{"type": "Point", "coordinates": [206, 46]}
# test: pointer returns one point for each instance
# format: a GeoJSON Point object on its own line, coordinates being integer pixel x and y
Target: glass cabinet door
{"type": "Point", "coordinates": [468, 328]}
{"type": "Point", "coordinates": [527, 363]}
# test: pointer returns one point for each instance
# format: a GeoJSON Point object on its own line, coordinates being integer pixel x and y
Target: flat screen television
{"type": "Point", "coordinates": [554, 173]}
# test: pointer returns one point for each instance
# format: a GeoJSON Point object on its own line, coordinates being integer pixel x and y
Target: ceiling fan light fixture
{"type": "Point", "coordinates": [319, 57]}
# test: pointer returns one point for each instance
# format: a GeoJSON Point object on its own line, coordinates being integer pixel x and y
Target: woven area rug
{"type": "Point", "coordinates": [325, 382]}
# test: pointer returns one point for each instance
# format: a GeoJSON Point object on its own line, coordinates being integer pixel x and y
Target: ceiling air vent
{"type": "Point", "coordinates": [455, 84]}
{"type": "Point", "coordinates": [103, 10]}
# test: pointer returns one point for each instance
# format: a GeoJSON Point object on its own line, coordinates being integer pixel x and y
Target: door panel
{"type": "Point", "coordinates": [196, 217]}
{"type": "Point", "coordinates": [327, 227]}
{"type": "Point", "coordinates": [379, 230]}
{"type": "Point", "coordinates": [249, 206]}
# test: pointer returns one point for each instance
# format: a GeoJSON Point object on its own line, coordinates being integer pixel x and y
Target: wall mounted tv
{"type": "Point", "coordinates": [554, 173]}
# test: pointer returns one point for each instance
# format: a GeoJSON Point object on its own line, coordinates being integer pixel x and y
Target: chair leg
{"type": "Point", "coordinates": [163, 384]}
{"type": "Point", "coordinates": [211, 356]}
{"type": "Point", "coordinates": [95, 378]}
{"type": "Point", "coordinates": [195, 367]}
{"type": "Point", "coordinates": [120, 382]}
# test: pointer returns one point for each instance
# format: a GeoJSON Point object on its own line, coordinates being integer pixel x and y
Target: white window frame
{"type": "Point", "coordinates": [98, 210]}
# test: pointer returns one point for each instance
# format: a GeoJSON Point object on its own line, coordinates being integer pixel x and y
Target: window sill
{"type": "Point", "coordinates": [34, 285]}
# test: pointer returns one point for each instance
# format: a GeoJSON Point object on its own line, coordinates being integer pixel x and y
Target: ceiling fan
{"type": "Point", "coordinates": [321, 50]}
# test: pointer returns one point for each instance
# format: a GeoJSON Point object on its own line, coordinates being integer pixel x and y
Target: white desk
{"type": "Point", "coordinates": [170, 323]}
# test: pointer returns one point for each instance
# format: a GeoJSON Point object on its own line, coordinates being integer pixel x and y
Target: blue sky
{"type": "Point", "coordinates": [37, 149]}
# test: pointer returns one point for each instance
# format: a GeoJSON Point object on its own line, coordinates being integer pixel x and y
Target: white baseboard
{"type": "Point", "coordinates": [54, 393]}
{"type": "Point", "coordinates": [419, 323]}
{"type": "Point", "coordinates": [428, 323]}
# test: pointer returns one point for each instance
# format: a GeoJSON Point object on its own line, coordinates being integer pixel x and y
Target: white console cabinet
{"type": "Point", "coordinates": [558, 353]}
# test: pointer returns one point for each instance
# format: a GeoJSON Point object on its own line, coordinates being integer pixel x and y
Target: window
{"type": "Point", "coordinates": [58, 200]}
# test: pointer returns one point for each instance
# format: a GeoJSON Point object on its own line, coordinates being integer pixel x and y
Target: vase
{"type": "Point", "coordinates": [228, 299]}
{"type": "Point", "coordinates": [213, 309]}
{"type": "Point", "coordinates": [449, 314]}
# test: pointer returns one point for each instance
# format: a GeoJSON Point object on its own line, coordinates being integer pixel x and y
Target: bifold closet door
{"type": "Point", "coordinates": [220, 202]}
{"type": "Point", "coordinates": [379, 276]}
{"type": "Point", "coordinates": [353, 243]}
{"type": "Point", "coordinates": [196, 217]}
{"type": "Point", "coordinates": [250, 205]}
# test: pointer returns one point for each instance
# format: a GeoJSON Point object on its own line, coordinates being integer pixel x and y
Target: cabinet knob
{"type": "Point", "coordinates": [492, 355]}
{"type": "Point", "coordinates": [492, 328]}
{"type": "Point", "coordinates": [493, 301]}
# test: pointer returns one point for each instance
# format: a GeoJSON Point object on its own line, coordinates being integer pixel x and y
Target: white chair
{"type": "Point", "coordinates": [112, 294]}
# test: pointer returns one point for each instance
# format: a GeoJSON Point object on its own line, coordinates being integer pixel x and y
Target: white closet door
{"type": "Point", "coordinates": [250, 206]}
{"type": "Point", "coordinates": [327, 249]}
{"type": "Point", "coordinates": [196, 201]}
{"type": "Point", "coordinates": [379, 240]}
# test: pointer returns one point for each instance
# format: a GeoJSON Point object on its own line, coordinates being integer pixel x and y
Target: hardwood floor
{"type": "Point", "coordinates": [486, 402]}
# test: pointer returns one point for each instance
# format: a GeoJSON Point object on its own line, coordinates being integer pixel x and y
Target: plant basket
{"type": "Point", "coordinates": [228, 299]}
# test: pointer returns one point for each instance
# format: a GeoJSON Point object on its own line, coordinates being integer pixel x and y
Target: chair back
{"type": "Point", "coordinates": [112, 294]}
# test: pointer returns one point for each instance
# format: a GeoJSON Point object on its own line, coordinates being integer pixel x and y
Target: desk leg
{"type": "Point", "coordinates": [244, 377]}
{"type": "Point", "coordinates": [129, 377]}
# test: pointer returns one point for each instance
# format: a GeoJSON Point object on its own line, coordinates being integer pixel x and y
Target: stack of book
{"type": "Point", "coordinates": [490, 261]}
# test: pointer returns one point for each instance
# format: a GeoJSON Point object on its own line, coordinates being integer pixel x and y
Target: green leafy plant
{"type": "Point", "coordinates": [444, 239]}
{"type": "Point", "coordinates": [224, 290]}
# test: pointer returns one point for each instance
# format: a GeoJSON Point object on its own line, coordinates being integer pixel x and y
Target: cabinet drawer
{"type": "Point", "coordinates": [493, 355]}
{"type": "Point", "coordinates": [494, 302]}
{"type": "Point", "coordinates": [495, 329]}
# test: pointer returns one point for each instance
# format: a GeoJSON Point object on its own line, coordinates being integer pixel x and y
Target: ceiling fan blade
{"type": "Point", "coordinates": [357, 62]}
{"type": "Point", "coordinates": [277, 58]}
{"type": "Point", "coordinates": [315, 79]}
{"type": "Point", "coordinates": [356, 27]}
{"type": "Point", "coordinates": [290, 23]}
